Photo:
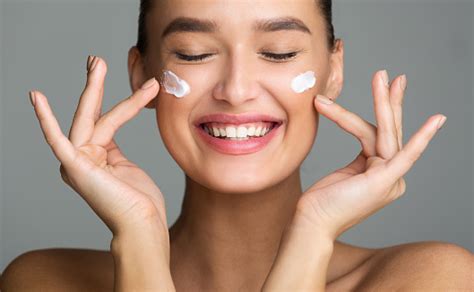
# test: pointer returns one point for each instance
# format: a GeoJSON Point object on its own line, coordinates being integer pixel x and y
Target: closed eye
{"type": "Point", "coordinates": [280, 57]}
{"type": "Point", "coordinates": [192, 58]}
{"type": "Point", "coordinates": [272, 56]}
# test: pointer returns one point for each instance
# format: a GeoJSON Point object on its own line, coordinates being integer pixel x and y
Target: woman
{"type": "Point", "coordinates": [242, 85]}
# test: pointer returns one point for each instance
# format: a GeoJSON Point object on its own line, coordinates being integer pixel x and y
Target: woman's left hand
{"type": "Point", "coordinates": [375, 177]}
{"type": "Point", "coordinates": [352, 193]}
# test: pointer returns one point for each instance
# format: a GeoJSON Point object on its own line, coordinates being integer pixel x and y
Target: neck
{"type": "Point", "coordinates": [231, 238]}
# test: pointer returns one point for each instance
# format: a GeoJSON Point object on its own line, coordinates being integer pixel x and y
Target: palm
{"type": "Point", "coordinates": [111, 159]}
{"type": "Point", "coordinates": [347, 191]}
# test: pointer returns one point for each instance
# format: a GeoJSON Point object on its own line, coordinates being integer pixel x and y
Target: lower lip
{"type": "Point", "coordinates": [238, 147]}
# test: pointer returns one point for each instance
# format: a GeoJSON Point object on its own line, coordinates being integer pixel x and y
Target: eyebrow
{"type": "Point", "coordinates": [281, 23]}
{"type": "Point", "coordinates": [189, 24]}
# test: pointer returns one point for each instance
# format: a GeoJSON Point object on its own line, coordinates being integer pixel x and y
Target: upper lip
{"type": "Point", "coordinates": [236, 118]}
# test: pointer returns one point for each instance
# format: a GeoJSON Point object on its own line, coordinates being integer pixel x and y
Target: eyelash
{"type": "Point", "coordinates": [276, 57]}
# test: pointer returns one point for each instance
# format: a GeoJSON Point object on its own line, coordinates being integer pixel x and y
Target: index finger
{"type": "Point", "coordinates": [364, 131]}
{"type": "Point", "coordinates": [111, 121]}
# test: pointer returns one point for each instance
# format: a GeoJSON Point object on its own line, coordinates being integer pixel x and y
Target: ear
{"type": "Point", "coordinates": [136, 72]}
{"type": "Point", "coordinates": [336, 77]}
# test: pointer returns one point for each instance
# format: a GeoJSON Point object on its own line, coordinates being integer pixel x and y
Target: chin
{"type": "Point", "coordinates": [238, 188]}
{"type": "Point", "coordinates": [238, 182]}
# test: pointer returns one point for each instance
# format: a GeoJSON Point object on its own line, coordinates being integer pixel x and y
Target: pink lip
{"type": "Point", "coordinates": [236, 147]}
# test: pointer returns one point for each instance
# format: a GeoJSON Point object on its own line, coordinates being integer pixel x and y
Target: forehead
{"type": "Point", "coordinates": [233, 16]}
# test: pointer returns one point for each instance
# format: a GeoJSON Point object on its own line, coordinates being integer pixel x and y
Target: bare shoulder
{"type": "Point", "coordinates": [420, 266]}
{"type": "Point", "coordinates": [59, 269]}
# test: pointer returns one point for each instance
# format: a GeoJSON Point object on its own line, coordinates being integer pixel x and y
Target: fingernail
{"type": "Point", "coordinates": [89, 61]}
{"type": "Point", "coordinates": [403, 82]}
{"type": "Point", "coordinates": [323, 99]}
{"type": "Point", "coordinates": [149, 83]}
{"type": "Point", "coordinates": [32, 98]}
{"type": "Point", "coordinates": [384, 76]}
{"type": "Point", "coordinates": [94, 63]}
{"type": "Point", "coordinates": [441, 122]}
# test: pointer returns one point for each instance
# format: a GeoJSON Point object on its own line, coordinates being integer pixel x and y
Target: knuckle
{"type": "Point", "coordinates": [51, 142]}
{"type": "Point", "coordinates": [112, 124]}
{"type": "Point", "coordinates": [415, 155]}
{"type": "Point", "coordinates": [108, 122]}
{"type": "Point", "coordinates": [136, 101]}
{"type": "Point", "coordinates": [397, 100]}
{"type": "Point", "coordinates": [42, 118]}
{"type": "Point", "coordinates": [342, 111]}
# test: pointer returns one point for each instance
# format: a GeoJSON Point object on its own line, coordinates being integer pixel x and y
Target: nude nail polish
{"type": "Point", "coordinates": [441, 122]}
{"type": "Point", "coordinates": [94, 62]}
{"type": "Point", "coordinates": [403, 82]}
{"type": "Point", "coordinates": [32, 98]}
{"type": "Point", "coordinates": [323, 99]}
{"type": "Point", "coordinates": [89, 61]}
{"type": "Point", "coordinates": [149, 83]}
{"type": "Point", "coordinates": [384, 76]}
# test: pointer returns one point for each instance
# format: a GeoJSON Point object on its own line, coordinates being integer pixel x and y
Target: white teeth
{"type": "Point", "coordinates": [215, 131]}
{"type": "Point", "coordinates": [231, 132]}
{"type": "Point", "coordinates": [222, 132]}
{"type": "Point", "coordinates": [251, 131]}
{"type": "Point", "coordinates": [237, 133]}
{"type": "Point", "coordinates": [241, 132]}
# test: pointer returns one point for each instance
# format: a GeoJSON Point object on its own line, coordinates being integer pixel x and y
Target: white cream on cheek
{"type": "Point", "coordinates": [303, 82]}
{"type": "Point", "coordinates": [175, 85]}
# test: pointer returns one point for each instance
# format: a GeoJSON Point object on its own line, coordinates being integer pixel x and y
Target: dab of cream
{"type": "Point", "coordinates": [175, 85]}
{"type": "Point", "coordinates": [303, 82]}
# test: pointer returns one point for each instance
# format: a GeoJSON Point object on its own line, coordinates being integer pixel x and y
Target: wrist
{"type": "Point", "coordinates": [305, 221]}
{"type": "Point", "coordinates": [151, 239]}
{"type": "Point", "coordinates": [308, 240]}
{"type": "Point", "coordinates": [302, 261]}
{"type": "Point", "coordinates": [142, 261]}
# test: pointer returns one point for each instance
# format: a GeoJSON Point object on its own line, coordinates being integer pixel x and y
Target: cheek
{"type": "Point", "coordinates": [192, 82]}
{"type": "Point", "coordinates": [297, 104]}
{"type": "Point", "coordinates": [302, 116]}
{"type": "Point", "coordinates": [172, 116]}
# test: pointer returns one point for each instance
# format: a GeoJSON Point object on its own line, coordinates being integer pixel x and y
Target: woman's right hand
{"type": "Point", "coordinates": [118, 191]}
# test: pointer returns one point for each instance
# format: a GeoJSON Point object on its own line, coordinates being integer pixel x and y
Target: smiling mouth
{"type": "Point", "coordinates": [239, 132]}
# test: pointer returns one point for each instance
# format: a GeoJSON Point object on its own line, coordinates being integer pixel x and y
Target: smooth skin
{"type": "Point", "coordinates": [273, 238]}
{"type": "Point", "coordinates": [451, 262]}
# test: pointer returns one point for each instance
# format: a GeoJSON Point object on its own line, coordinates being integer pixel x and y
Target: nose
{"type": "Point", "coordinates": [237, 85]}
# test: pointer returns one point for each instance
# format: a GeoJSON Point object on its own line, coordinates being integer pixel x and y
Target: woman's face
{"type": "Point", "coordinates": [239, 76]}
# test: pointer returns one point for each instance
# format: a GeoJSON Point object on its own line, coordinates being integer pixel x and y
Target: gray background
{"type": "Point", "coordinates": [44, 45]}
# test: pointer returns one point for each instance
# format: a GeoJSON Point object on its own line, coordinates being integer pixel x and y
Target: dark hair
{"type": "Point", "coordinates": [325, 7]}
